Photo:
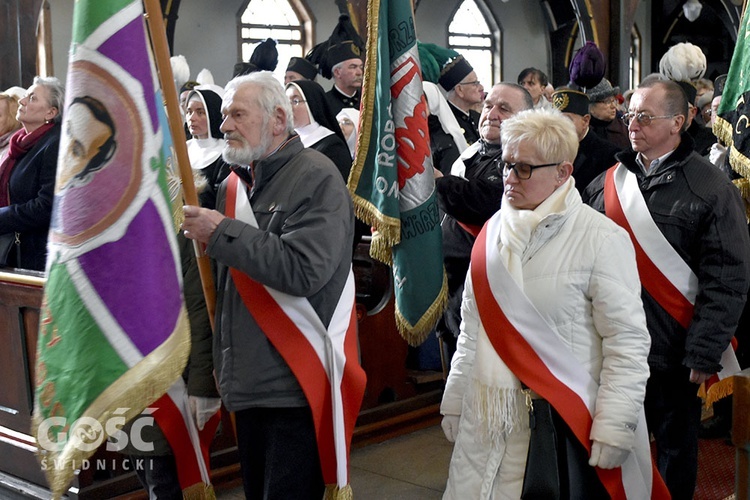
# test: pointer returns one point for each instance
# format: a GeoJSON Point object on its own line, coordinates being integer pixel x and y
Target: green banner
{"type": "Point", "coordinates": [392, 181]}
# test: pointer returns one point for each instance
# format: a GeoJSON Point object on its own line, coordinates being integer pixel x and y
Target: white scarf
{"type": "Point", "coordinates": [498, 401]}
{"type": "Point", "coordinates": [203, 152]}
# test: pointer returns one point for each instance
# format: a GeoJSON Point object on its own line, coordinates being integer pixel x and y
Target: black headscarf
{"type": "Point", "coordinates": [321, 111]}
{"type": "Point", "coordinates": [212, 103]}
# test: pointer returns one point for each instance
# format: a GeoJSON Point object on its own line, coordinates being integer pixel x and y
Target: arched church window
{"type": "Point", "coordinates": [289, 22]}
{"type": "Point", "coordinates": [634, 64]}
{"type": "Point", "coordinates": [473, 32]}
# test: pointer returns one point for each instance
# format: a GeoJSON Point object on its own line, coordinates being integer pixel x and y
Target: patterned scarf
{"type": "Point", "coordinates": [20, 143]}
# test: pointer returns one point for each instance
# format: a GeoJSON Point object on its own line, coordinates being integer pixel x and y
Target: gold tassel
{"type": "Point", "coordinates": [199, 491]}
{"type": "Point", "coordinates": [716, 392]}
{"type": "Point", "coordinates": [333, 492]}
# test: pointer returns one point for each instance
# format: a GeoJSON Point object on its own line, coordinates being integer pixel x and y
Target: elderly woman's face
{"type": "Point", "coordinates": [299, 107]}
{"type": "Point", "coordinates": [34, 108]}
{"type": "Point", "coordinates": [527, 194]}
{"type": "Point", "coordinates": [605, 110]}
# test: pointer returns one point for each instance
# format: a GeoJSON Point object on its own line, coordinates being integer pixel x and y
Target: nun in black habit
{"type": "Point", "coordinates": [316, 124]}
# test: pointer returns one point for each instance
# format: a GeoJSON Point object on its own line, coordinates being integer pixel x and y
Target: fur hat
{"type": "Point", "coordinates": [265, 57]}
{"type": "Point", "coordinates": [683, 62]}
{"type": "Point", "coordinates": [205, 77]}
{"type": "Point", "coordinates": [587, 66]}
{"type": "Point", "coordinates": [180, 70]}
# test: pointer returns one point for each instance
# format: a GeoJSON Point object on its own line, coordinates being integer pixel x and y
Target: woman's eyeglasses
{"type": "Point", "coordinates": [522, 170]}
{"type": "Point", "coordinates": [296, 102]}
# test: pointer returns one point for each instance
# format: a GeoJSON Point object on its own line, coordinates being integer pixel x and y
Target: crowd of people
{"type": "Point", "coordinates": [546, 197]}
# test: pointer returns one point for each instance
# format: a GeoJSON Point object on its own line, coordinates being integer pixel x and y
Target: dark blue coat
{"type": "Point", "coordinates": [32, 186]}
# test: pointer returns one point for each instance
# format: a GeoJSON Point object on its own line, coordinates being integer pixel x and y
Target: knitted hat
{"type": "Point", "coordinates": [452, 66]}
{"type": "Point", "coordinates": [601, 91]}
{"type": "Point", "coordinates": [571, 101]}
{"type": "Point", "coordinates": [303, 67]}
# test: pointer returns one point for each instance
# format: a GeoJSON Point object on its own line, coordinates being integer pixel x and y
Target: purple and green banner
{"type": "Point", "coordinates": [392, 181]}
{"type": "Point", "coordinates": [114, 334]}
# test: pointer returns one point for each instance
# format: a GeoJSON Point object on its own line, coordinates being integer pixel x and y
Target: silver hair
{"type": "Point", "coordinates": [56, 93]}
{"type": "Point", "coordinates": [549, 132]}
{"type": "Point", "coordinates": [269, 96]}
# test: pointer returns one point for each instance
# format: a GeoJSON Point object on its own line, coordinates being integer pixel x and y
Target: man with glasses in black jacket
{"type": "Point", "coordinates": [694, 266]}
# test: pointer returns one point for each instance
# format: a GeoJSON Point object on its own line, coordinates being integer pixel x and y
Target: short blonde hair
{"type": "Point", "coordinates": [549, 132]}
{"type": "Point", "coordinates": [8, 122]}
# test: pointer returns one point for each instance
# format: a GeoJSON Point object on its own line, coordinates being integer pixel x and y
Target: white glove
{"type": "Point", "coordinates": [203, 409]}
{"type": "Point", "coordinates": [450, 427]}
{"type": "Point", "coordinates": [605, 456]}
{"type": "Point", "coordinates": [717, 154]}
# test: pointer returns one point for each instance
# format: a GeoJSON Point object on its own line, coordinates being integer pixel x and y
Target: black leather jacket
{"type": "Point", "coordinates": [700, 212]}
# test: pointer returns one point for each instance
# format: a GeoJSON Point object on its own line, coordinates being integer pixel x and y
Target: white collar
{"type": "Point", "coordinates": [312, 133]}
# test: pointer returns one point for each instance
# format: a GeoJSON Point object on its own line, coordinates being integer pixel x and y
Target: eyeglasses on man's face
{"type": "Point", "coordinates": [296, 101]}
{"type": "Point", "coordinates": [522, 170]}
{"type": "Point", "coordinates": [643, 119]}
{"type": "Point", "coordinates": [475, 82]}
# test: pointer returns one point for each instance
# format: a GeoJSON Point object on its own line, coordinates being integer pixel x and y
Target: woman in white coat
{"type": "Point", "coordinates": [551, 310]}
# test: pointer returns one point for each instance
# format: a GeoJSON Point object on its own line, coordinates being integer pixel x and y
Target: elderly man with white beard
{"type": "Point", "coordinates": [281, 238]}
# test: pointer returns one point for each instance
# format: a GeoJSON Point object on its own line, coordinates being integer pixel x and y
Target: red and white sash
{"type": "Point", "coordinates": [324, 360]}
{"type": "Point", "coordinates": [663, 272]}
{"type": "Point", "coordinates": [537, 356]}
{"type": "Point", "coordinates": [190, 446]}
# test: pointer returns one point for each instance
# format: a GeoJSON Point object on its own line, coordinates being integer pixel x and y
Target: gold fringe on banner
{"type": "Point", "coordinates": [143, 384]}
{"type": "Point", "coordinates": [416, 334]}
